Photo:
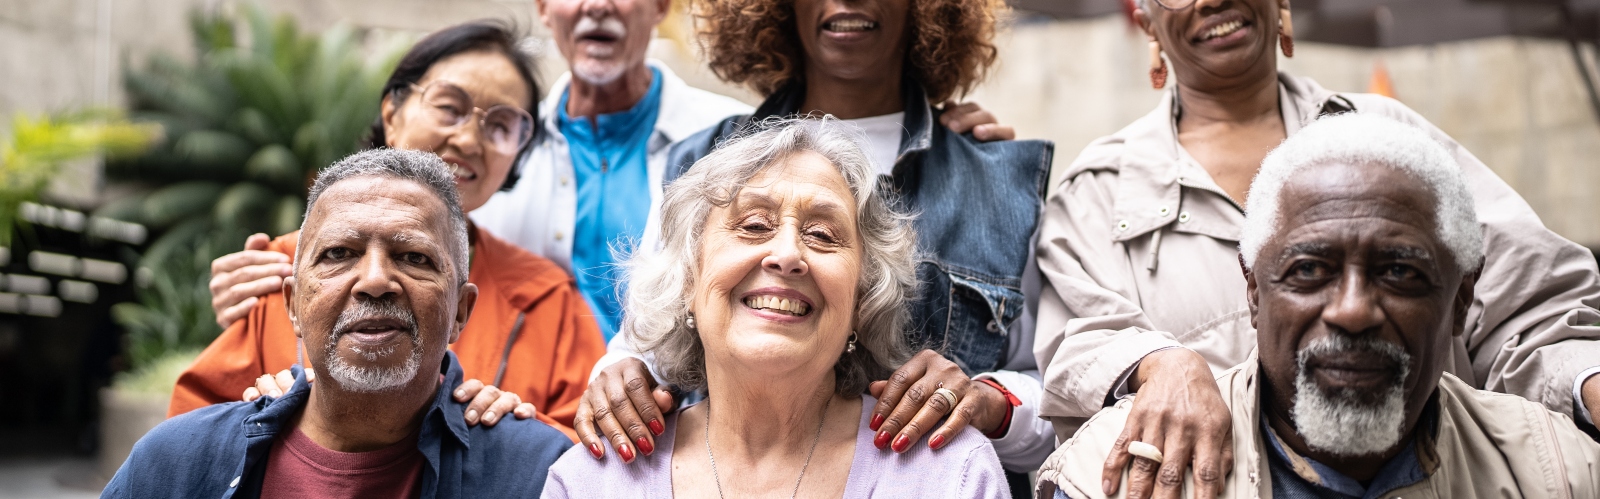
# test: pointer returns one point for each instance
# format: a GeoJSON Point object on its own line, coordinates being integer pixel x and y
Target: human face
{"type": "Point", "coordinates": [779, 265]}
{"type": "Point", "coordinates": [374, 293]}
{"type": "Point", "coordinates": [1217, 43]}
{"type": "Point", "coordinates": [853, 39]}
{"type": "Point", "coordinates": [602, 39]}
{"type": "Point", "coordinates": [1356, 259]}
{"type": "Point", "coordinates": [488, 79]}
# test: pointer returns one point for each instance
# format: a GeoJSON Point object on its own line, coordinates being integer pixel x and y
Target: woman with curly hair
{"type": "Point", "coordinates": [881, 65]}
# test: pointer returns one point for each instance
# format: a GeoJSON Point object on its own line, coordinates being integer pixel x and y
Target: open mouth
{"type": "Point", "coordinates": [598, 36]}
{"type": "Point", "coordinates": [785, 306]}
{"type": "Point", "coordinates": [1223, 29]}
{"type": "Point", "coordinates": [850, 25]}
{"type": "Point", "coordinates": [461, 173]}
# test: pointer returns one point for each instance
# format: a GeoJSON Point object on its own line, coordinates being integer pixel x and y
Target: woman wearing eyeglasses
{"type": "Point", "coordinates": [1139, 249]}
{"type": "Point", "coordinates": [468, 94]}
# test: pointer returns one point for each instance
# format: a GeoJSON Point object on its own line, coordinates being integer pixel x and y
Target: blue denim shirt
{"type": "Point", "coordinates": [977, 205]}
{"type": "Point", "coordinates": [221, 450]}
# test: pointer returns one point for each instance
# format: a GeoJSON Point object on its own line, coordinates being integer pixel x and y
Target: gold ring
{"type": "Point", "coordinates": [949, 396]}
{"type": "Point", "coordinates": [1144, 450]}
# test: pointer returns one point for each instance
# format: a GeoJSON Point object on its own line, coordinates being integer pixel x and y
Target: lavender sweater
{"type": "Point", "coordinates": [965, 468]}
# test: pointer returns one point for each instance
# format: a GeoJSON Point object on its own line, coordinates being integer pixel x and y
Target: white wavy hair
{"type": "Point", "coordinates": [661, 284]}
{"type": "Point", "coordinates": [1355, 138]}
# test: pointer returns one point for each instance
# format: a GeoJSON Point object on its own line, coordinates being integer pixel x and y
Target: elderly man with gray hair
{"type": "Point", "coordinates": [1360, 250]}
{"type": "Point", "coordinates": [379, 292]}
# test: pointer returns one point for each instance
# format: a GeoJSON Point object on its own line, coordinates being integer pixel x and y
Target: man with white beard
{"type": "Point", "coordinates": [379, 292]}
{"type": "Point", "coordinates": [1360, 250]}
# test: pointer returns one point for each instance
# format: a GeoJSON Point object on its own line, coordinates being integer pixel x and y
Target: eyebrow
{"type": "Point", "coordinates": [817, 206]}
{"type": "Point", "coordinates": [1404, 253]}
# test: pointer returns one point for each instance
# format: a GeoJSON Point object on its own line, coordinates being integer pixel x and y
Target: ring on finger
{"type": "Point", "coordinates": [949, 396]}
{"type": "Point", "coordinates": [1144, 450]}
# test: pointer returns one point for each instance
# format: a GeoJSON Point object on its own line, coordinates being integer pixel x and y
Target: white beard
{"type": "Point", "coordinates": [603, 66]}
{"type": "Point", "coordinates": [1339, 423]}
{"type": "Point", "coordinates": [361, 379]}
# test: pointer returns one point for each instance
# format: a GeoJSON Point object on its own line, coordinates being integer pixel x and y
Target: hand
{"type": "Point", "coordinates": [965, 117]}
{"type": "Point", "coordinates": [908, 407]}
{"type": "Point", "coordinates": [1591, 397]}
{"type": "Point", "coordinates": [274, 386]}
{"type": "Point", "coordinates": [627, 403]}
{"type": "Point", "coordinates": [1179, 410]}
{"type": "Point", "coordinates": [490, 403]}
{"type": "Point", "coordinates": [238, 279]}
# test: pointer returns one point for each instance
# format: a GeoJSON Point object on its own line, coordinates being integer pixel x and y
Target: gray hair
{"type": "Point", "coordinates": [1355, 138]}
{"type": "Point", "coordinates": [424, 168]}
{"type": "Point", "coordinates": [661, 284]}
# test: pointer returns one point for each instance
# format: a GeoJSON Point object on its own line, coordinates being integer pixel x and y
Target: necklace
{"type": "Point", "coordinates": [803, 467]}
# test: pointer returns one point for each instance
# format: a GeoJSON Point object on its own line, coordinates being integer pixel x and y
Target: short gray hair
{"type": "Point", "coordinates": [424, 168]}
{"type": "Point", "coordinates": [1355, 138]}
{"type": "Point", "coordinates": [661, 283]}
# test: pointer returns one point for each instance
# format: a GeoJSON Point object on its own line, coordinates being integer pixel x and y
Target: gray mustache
{"type": "Point", "coordinates": [365, 310]}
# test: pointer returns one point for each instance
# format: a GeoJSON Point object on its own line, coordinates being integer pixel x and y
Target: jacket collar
{"type": "Point", "coordinates": [274, 415]}
{"type": "Point", "coordinates": [916, 134]}
{"type": "Point", "coordinates": [674, 122]}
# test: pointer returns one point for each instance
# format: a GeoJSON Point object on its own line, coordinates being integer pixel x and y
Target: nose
{"type": "Point", "coordinates": [786, 257]}
{"type": "Point", "coordinates": [598, 8]}
{"type": "Point", "coordinates": [467, 136]}
{"type": "Point", "coordinates": [375, 277]}
{"type": "Point", "coordinates": [1354, 307]}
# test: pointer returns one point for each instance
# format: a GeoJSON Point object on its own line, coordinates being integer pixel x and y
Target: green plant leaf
{"type": "Point", "coordinates": [176, 202]}
{"type": "Point", "coordinates": [275, 165]}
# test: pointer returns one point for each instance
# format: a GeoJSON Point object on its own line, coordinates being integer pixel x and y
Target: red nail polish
{"type": "Point", "coordinates": [901, 443]}
{"type": "Point", "coordinates": [881, 440]}
{"type": "Point", "coordinates": [656, 427]}
{"type": "Point", "coordinates": [877, 420]}
{"type": "Point", "coordinates": [936, 442]}
{"type": "Point", "coordinates": [645, 446]}
{"type": "Point", "coordinates": [597, 451]}
{"type": "Point", "coordinates": [626, 453]}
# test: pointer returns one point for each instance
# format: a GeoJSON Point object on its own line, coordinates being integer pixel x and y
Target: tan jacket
{"type": "Point", "coordinates": [1139, 250]}
{"type": "Point", "coordinates": [1488, 445]}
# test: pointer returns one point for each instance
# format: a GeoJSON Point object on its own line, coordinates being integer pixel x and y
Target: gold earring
{"type": "Point", "coordinates": [1158, 66]}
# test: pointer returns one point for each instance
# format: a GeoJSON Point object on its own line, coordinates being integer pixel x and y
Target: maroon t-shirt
{"type": "Point", "coordinates": [297, 467]}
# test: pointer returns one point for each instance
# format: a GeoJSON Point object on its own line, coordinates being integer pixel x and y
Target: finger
{"type": "Point", "coordinates": [257, 241]}
{"type": "Point", "coordinates": [235, 261]}
{"type": "Point", "coordinates": [480, 404]}
{"type": "Point", "coordinates": [238, 290]}
{"type": "Point", "coordinates": [232, 314]}
{"type": "Point", "coordinates": [250, 394]}
{"type": "Point", "coordinates": [1111, 474]}
{"type": "Point", "coordinates": [1142, 476]}
{"type": "Point", "coordinates": [910, 418]}
{"type": "Point", "coordinates": [959, 418]}
{"type": "Point", "coordinates": [967, 121]}
{"type": "Point", "coordinates": [612, 431]}
{"type": "Point", "coordinates": [1176, 454]}
{"type": "Point", "coordinates": [1208, 467]}
{"type": "Point", "coordinates": [935, 408]}
{"type": "Point", "coordinates": [876, 389]}
{"type": "Point", "coordinates": [467, 390]}
{"type": "Point", "coordinates": [625, 413]}
{"type": "Point", "coordinates": [644, 403]}
{"type": "Point", "coordinates": [583, 425]}
{"type": "Point", "coordinates": [498, 409]}
{"type": "Point", "coordinates": [898, 383]}
{"type": "Point", "coordinates": [949, 105]}
{"type": "Point", "coordinates": [525, 410]}
{"type": "Point", "coordinates": [266, 386]}
{"type": "Point", "coordinates": [664, 401]}
{"type": "Point", "coordinates": [283, 382]}
{"type": "Point", "coordinates": [990, 132]}
{"type": "Point", "coordinates": [311, 375]}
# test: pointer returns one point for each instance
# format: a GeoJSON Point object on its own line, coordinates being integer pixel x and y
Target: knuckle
{"type": "Point", "coordinates": [939, 404]}
{"type": "Point", "coordinates": [602, 412]}
{"type": "Point", "coordinates": [619, 400]}
{"type": "Point", "coordinates": [899, 378]}
{"type": "Point", "coordinates": [1207, 473]}
{"type": "Point", "coordinates": [1170, 476]}
{"type": "Point", "coordinates": [966, 412]}
{"type": "Point", "coordinates": [636, 385]}
{"type": "Point", "coordinates": [916, 394]}
{"type": "Point", "coordinates": [635, 428]}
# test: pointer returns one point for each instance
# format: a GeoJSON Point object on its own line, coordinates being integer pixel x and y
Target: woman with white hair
{"type": "Point", "coordinates": [780, 289]}
{"type": "Point", "coordinates": [1139, 249]}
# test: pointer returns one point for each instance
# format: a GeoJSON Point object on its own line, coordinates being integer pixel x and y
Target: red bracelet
{"type": "Point", "coordinates": [1005, 424]}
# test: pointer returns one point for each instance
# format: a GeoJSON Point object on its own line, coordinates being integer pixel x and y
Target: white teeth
{"type": "Point", "coordinates": [851, 25]}
{"type": "Point", "coordinates": [460, 172]}
{"type": "Point", "coordinates": [1224, 29]}
{"type": "Point", "coordinates": [793, 307]}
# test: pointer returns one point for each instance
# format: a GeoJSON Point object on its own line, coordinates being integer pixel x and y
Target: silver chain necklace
{"type": "Point", "coordinates": [803, 467]}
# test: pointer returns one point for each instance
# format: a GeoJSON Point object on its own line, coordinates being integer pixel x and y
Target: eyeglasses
{"type": "Point", "coordinates": [1174, 4]}
{"type": "Point", "coordinates": [503, 128]}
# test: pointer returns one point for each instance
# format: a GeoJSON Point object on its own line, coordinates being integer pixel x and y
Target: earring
{"type": "Point", "coordinates": [1286, 33]}
{"type": "Point", "coordinates": [689, 321]}
{"type": "Point", "coordinates": [1158, 66]}
{"type": "Point", "coordinates": [850, 347]}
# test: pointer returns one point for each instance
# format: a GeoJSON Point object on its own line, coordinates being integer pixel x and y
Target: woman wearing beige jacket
{"type": "Point", "coordinates": [1139, 249]}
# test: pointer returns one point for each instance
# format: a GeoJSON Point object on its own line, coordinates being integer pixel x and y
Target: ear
{"type": "Point", "coordinates": [539, 4]}
{"type": "Point", "coordinates": [1251, 291]}
{"type": "Point", "coordinates": [1142, 17]}
{"type": "Point", "coordinates": [663, 7]}
{"type": "Point", "coordinates": [468, 299]}
{"type": "Point", "coordinates": [390, 112]}
{"type": "Point", "coordinates": [1464, 298]}
{"type": "Point", "coordinates": [288, 299]}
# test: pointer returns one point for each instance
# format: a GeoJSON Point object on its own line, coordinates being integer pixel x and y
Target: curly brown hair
{"type": "Point", "coordinates": [755, 43]}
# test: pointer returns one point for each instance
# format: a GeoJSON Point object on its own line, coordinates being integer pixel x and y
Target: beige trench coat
{"type": "Point", "coordinates": [1488, 445]}
{"type": "Point", "coordinates": [1139, 251]}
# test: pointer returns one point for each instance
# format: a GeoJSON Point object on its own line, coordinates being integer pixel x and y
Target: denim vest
{"type": "Point", "coordinates": [977, 204]}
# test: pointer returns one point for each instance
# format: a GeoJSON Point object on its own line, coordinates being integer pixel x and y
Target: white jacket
{"type": "Point", "coordinates": [540, 212]}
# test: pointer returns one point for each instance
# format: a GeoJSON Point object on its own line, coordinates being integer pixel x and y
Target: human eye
{"type": "Point", "coordinates": [1307, 273]}
{"type": "Point", "coordinates": [415, 258]}
{"type": "Point", "coordinates": [822, 233]}
{"type": "Point", "coordinates": [756, 224]}
{"type": "Point", "coordinates": [1404, 277]}
{"type": "Point", "coordinates": [337, 254]}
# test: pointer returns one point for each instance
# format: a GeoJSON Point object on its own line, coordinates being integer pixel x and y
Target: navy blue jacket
{"type": "Point", "coordinates": [977, 205]}
{"type": "Point", "coordinates": [221, 450]}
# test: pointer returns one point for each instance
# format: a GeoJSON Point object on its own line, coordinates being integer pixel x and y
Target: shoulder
{"type": "Point", "coordinates": [189, 454]}
{"type": "Point", "coordinates": [522, 276]}
{"type": "Point", "coordinates": [515, 456]}
{"type": "Point", "coordinates": [579, 474]}
{"type": "Point", "coordinates": [1075, 466]}
{"type": "Point", "coordinates": [1498, 426]}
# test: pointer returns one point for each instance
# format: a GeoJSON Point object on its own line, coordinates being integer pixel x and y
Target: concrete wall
{"type": "Point", "coordinates": [1516, 103]}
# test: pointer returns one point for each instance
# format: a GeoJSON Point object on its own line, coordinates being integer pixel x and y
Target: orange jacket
{"type": "Point", "coordinates": [547, 364]}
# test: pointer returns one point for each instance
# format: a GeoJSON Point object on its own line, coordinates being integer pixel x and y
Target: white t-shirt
{"type": "Point", "coordinates": [883, 139]}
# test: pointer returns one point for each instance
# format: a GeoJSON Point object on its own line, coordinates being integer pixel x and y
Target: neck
{"type": "Point", "coordinates": [588, 100]}
{"type": "Point", "coordinates": [1360, 468]}
{"type": "Point", "coordinates": [754, 418]}
{"type": "Point", "coordinates": [853, 98]}
{"type": "Point", "coordinates": [1249, 101]}
{"type": "Point", "coordinates": [359, 422]}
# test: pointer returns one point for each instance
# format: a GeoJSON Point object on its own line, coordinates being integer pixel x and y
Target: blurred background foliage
{"type": "Point", "coordinates": [39, 145]}
{"type": "Point", "coordinates": [248, 122]}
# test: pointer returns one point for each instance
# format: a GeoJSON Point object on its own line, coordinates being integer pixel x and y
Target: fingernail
{"type": "Point", "coordinates": [626, 453]}
{"type": "Point", "coordinates": [472, 415]}
{"type": "Point", "coordinates": [901, 443]}
{"type": "Point", "coordinates": [645, 446]}
{"type": "Point", "coordinates": [488, 417]}
{"type": "Point", "coordinates": [1105, 486]}
{"type": "Point", "coordinates": [656, 427]}
{"type": "Point", "coordinates": [936, 441]}
{"type": "Point", "coordinates": [597, 451]}
{"type": "Point", "coordinates": [461, 393]}
{"type": "Point", "coordinates": [877, 420]}
{"type": "Point", "coordinates": [881, 440]}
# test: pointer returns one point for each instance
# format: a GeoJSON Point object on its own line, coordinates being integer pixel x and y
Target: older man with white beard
{"type": "Point", "coordinates": [378, 293]}
{"type": "Point", "coordinates": [1360, 250]}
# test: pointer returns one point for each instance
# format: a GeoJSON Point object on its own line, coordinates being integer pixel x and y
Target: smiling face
{"type": "Point", "coordinates": [375, 295]}
{"type": "Point", "coordinates": [489, 78]}
{"type": "Point", "coordinates": [602, 39]}
{"type": "Point", "coordinates": [779, 268]}
{"type": "Point", "coordinates": [1355, 300]}
{"type": "Point", "coordinates": [853, 39]}
{"type": "Point", "coordinates": [1217, 43]}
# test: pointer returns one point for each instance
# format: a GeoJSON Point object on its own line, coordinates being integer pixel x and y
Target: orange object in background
{"type": "Point", "coordinates": [547, 363]}
{"type": "Point", "coordinates": [1380, 83]}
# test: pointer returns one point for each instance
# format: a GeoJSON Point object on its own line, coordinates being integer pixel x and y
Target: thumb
{"type": "Point", "coordinates": [257, 241]}
{"type": "Point", "coordinates": [664, 400]}
{"type": "Point", "coordinates": [876, 388]}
